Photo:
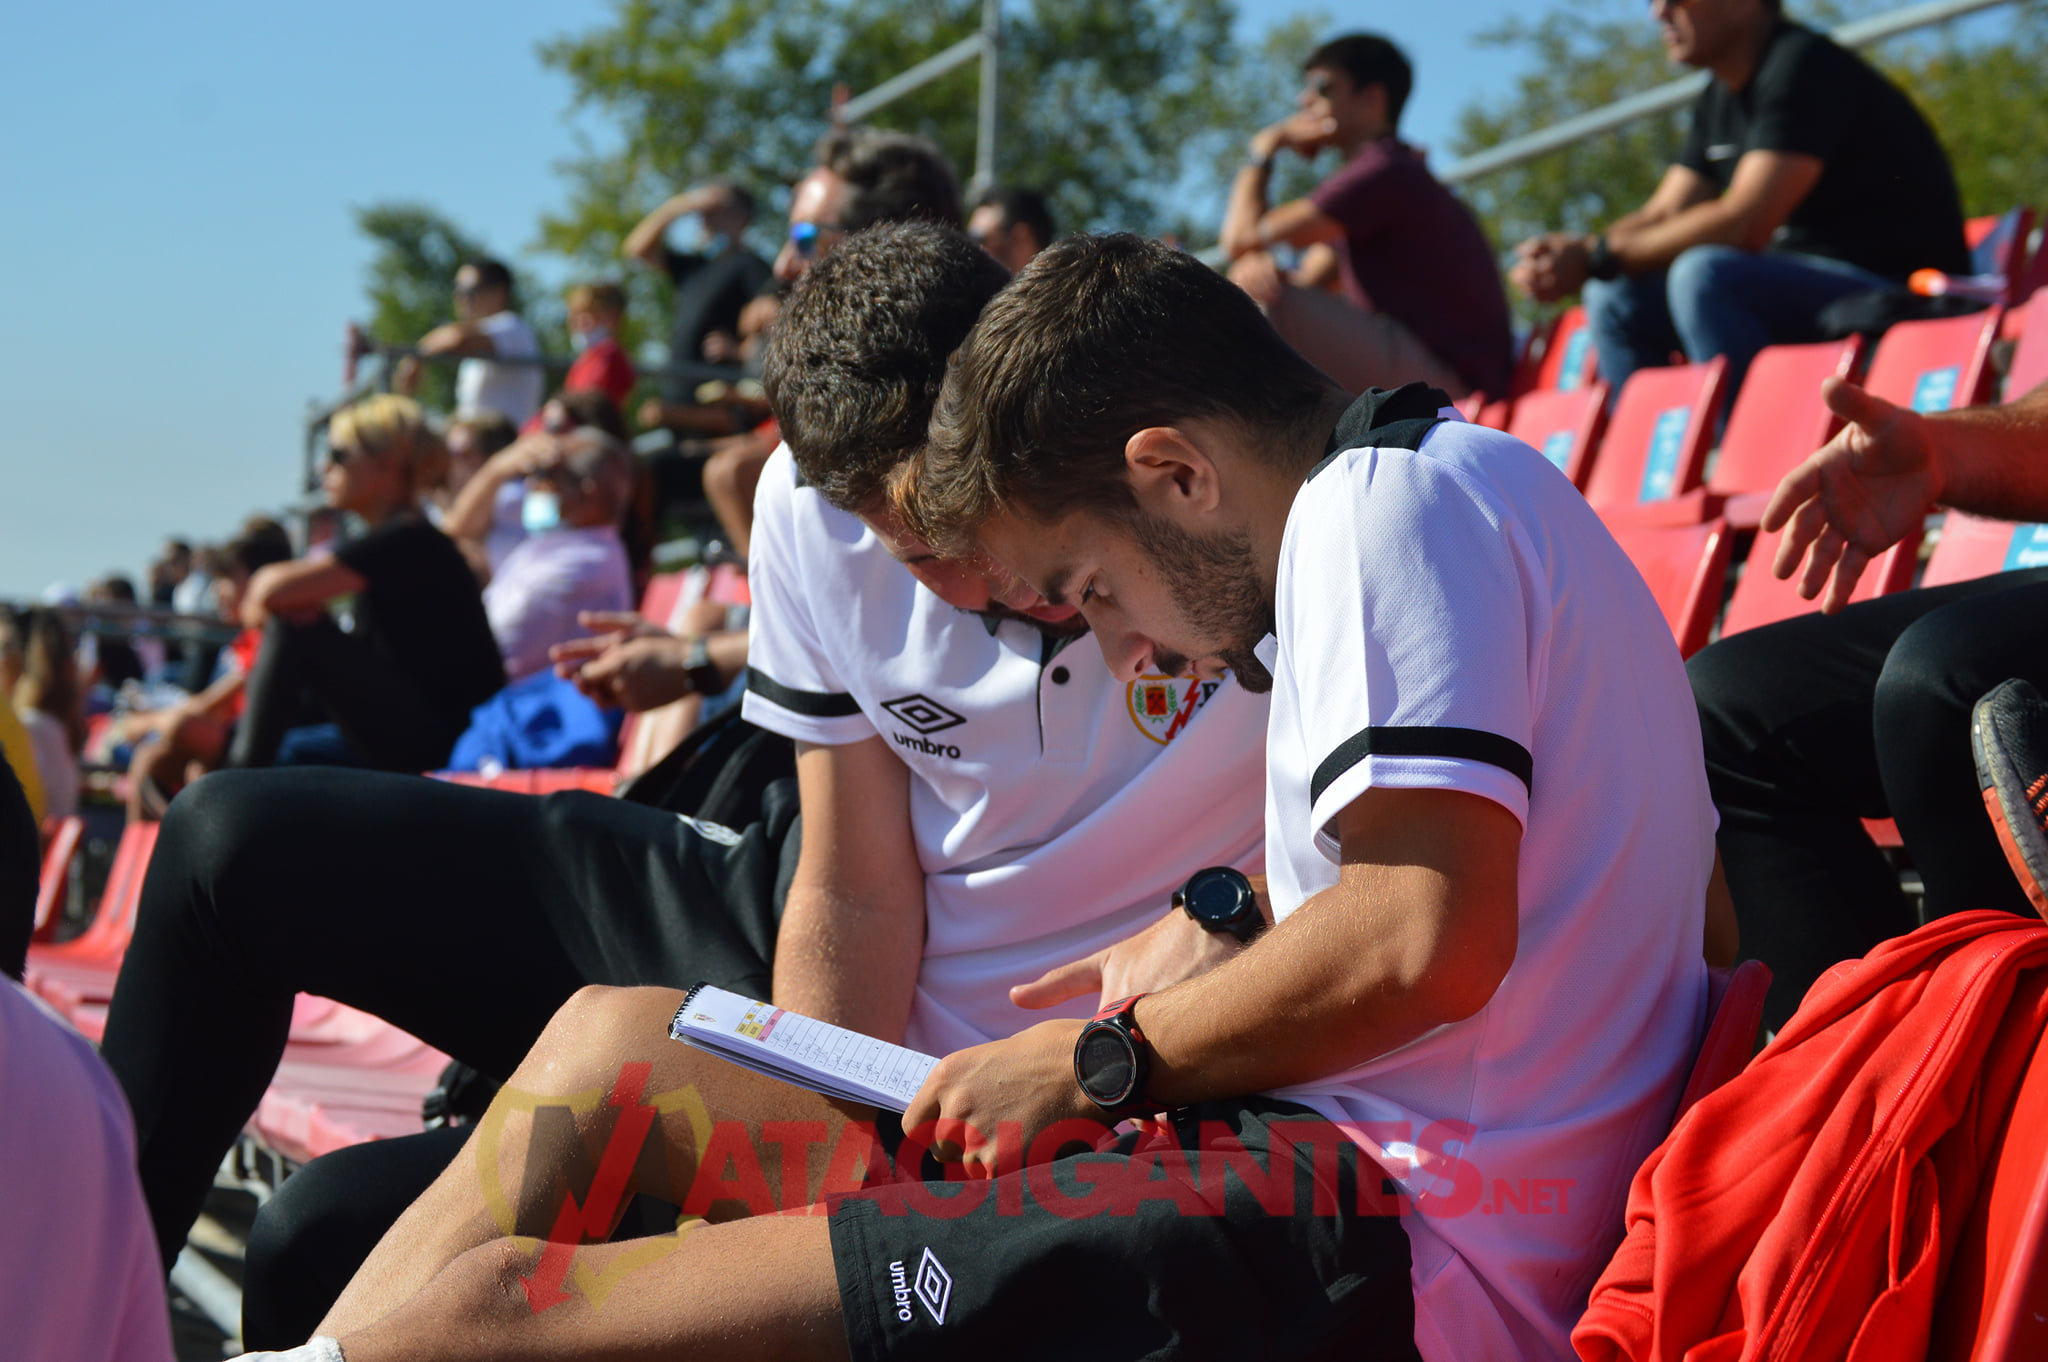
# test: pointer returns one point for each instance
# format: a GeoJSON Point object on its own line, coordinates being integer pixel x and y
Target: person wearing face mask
{"type": "Point", "coordinates": [394, 691]}
{"type": "Point", "coordinates": [712, 285]}
{"type": "Point", "coordinates": [572, 559]}
{"type": "Point", "coordinates": [596, 314]}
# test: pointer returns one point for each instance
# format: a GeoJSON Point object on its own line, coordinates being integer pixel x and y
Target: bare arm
{"type": "Point", "coordinates": [1418, 932]}
{"type": "Point", "coordinates": [456, 339]}
{"type": "Point", "coordinates": [852, 932]}
{"type": "Point", "coordinates": [644, 242]}
{"type": "Point", "coordinates": [1875, 482]}
{"type": "Point", "coordinates": [296, 588]}
{"type": "Point", "coordinates": [475, 506]}
{"type": "Point", "coordinates": [1767, 186]}
{"type": "Point", "coordinates": [1248, 225]}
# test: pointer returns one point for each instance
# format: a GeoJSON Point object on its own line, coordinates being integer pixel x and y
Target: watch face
{"type": "Point", "coordinates": [1215, 896]}
{"type": "Point", "coordinates": [1106, 1065]}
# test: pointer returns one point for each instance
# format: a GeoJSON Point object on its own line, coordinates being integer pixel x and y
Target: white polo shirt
{"type": "Point", "coordinates": [1055, 808]}
{"type": "Point", "coordinates": [512, 390]}
{"type": "Point", "coordinates": [1456, 617]}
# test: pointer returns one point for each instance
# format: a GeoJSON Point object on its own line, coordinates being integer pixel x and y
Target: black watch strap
{"type": "Point", "coordinates": [1221, 899]}
{"type": "Point", "coordinates": [1601, 262]}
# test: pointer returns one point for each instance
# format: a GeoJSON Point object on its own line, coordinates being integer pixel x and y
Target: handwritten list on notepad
{"type": "Point", "coordinates": [797, 1049]}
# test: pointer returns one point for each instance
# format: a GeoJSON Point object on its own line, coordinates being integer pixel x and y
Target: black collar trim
{"type": "Point", "coordinates": [1386, 420]}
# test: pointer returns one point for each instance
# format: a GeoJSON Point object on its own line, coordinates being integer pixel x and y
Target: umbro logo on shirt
{"type": "Point", "coordinates": [927, 716]}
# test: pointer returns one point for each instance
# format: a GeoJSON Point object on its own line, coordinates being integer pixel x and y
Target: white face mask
{"type": "Point", "coordinates": [541, 511]}
{"type": "Point", "coordinates": [583, 340]}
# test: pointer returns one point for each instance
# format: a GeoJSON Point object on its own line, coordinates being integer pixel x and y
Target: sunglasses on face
{"type": "Point", "coordinates": [805, 237]}
{"type": "Point", "coordinates": [341, 455]}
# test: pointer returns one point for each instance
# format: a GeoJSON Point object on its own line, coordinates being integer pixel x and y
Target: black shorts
{"type": "Point", "coordinates": [1239, 1230]}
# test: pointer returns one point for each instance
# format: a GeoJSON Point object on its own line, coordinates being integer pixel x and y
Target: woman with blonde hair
{"type": "Point", "coordinates": [395, 690]}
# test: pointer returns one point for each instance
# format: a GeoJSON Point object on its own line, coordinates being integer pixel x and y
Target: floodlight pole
{"type": "Point", "coordinates": [985, 115]}
{"type": "Point", "coordinates": [984, 44]}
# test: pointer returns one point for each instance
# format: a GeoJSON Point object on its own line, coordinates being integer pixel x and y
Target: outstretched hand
{"type": "Point", "coordinates": [1859, 494]}
{"type": "Point", "coordinates": [628, 664]}
{"type": "Point", "coordinates": [1170, 951]}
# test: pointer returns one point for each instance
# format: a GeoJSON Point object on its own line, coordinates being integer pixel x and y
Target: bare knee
{"type": "Point", "coordinates": [593, 1033]}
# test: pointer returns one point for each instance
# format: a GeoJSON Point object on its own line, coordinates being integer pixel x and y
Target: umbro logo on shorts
{"type": "Point", "coordinates": [933, 1288]}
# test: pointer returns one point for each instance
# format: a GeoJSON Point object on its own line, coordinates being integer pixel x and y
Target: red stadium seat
{"type": "Point", "coordinates": [1761, 598]}
{"type": "Point", "coordinates": [1998, 245]}
{"type": "Point", "coordinates": [56, 874]}
{"type": "Point", "coordinates": [1568, 362]}
{"type": "Point", "coordinates": [1564, 426]}
{"type": "Point", "coordinates": [1777, 421]}
{"type": "Point", "coordinates": [1494, 415]}
{"type": "Point", "coordinates": [2030, 356]}
{"type": "Point", "coordinates": [1471, 404]}
{"type": "Point", "coordinates": [1735, 1010]}
{"type": "Point", "coordinates": [1657, 437]}
{"type": "Point", "coordinates": [1936, 365]}
{"type": "Point", "coordinates": [1973, 546]}
{"type": "Point", "coordinates": [1685, 567]}
{"type": "Point", "coordinates": [82, 969]}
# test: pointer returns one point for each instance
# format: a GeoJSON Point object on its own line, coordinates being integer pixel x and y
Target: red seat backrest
{"type": "Point", "coordinates": [658, 602]}
{"type": "Point", "coordinates": [1685, 567]}
{"type": "Point", "coordinates": [1779, 418]}
{"type": "Point", "coordinates": [56, 873]}
{"type": "Point", "coordinates": [2030, 356]}
{"type": "Point", "coordinates": [1735, 1009]}
{"type": "Point", "coordinates": [1936, 365]}
{"type": "Point", "coordinates": [1658, 434]}
{"type": "Point", "coordinates": [1563, 426]}
{"type": "Point", "coordinates": [1761, 598]}
{"type": "Point", "coordinates": [1998, 242]}
{"type": "Point", "coordinates": [1972, 546]}
{"type": "Point", "coordinates": [1568, 362]}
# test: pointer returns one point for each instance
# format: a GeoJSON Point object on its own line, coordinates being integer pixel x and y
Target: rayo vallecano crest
{"type": "Point", "coordinates": [1162, 705]}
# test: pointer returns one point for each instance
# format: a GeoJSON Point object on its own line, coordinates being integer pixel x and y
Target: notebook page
{"type": "Point", "coordinates": [799, 1049]}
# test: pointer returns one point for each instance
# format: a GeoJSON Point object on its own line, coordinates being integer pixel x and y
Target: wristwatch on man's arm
{"type": "Point", "coordinates": [701, 672]}
{"type": "Point", "coordinates": [1601, 261]}
{"type": "Point", "coordinates": [1221, 899]}
{"type": "Point", "coordinates": [1111, 1057]}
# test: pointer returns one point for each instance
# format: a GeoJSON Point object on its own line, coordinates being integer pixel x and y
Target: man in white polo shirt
{"type": "Point", "coordinates": [998, 805]}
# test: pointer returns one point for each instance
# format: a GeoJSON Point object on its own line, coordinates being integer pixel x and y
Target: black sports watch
{"type": "Point", "coordinates": [699, 669]}
{"type": "Point", "coordinates": [1111, 1057]}
{"type": "Point", "coordinates": [1601, 262]}
{"type": "Point", "coordinates": [1222, 900]}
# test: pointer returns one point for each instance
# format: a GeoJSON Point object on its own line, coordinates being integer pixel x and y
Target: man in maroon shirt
{"type": "Point", "coordinates": [1420, 295]}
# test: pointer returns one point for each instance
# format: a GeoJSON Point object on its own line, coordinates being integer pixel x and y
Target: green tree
{"type": "Point", "coordinates": [411, 285]}
{"type": "Point", "coordinates": [1121, 110]}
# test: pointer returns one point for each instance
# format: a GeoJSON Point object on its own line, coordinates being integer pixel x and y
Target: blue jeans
{"type": "Point", "coordinates": [1715, 300]}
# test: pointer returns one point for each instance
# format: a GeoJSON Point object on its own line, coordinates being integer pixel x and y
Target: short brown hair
{"type": "Point", "coordinates": [1098, 338]}
{"type": "Point", "coordinates": [891, 177]}
{"type": "Point", "coordinates": [598, 297]}
{"type": "Point", "coordinates": [856, 358]}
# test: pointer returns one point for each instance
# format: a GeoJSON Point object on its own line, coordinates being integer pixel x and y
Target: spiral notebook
{"type": "Point", "coordinates": [797, 1049]}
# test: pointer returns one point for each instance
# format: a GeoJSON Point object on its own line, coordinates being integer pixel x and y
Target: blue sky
{"type": "Point", "coordinates": [178, 250]}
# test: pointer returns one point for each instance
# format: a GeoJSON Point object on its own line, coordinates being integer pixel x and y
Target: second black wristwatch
{"type": "Point", "coordinates": [1222, 900]}
{"type": "Point", "coordinates": [1111, 1058]}
{"type": "Point", "coordinates": [701, 671]}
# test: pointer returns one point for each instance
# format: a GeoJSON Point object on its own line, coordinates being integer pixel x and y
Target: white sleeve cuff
{"type": "Point", "coordinates": [313, 1350]}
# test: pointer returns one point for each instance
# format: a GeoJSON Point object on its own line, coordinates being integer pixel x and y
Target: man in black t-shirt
{"type": "Point", "coordinates": [710, 287]}
{"type": "Point", "coordinates": [1806, 176]}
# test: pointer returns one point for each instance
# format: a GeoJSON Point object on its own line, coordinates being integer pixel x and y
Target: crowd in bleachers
{"type": "Point", "coordinates": [878, 449]}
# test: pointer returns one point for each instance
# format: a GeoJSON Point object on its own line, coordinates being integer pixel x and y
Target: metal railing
{"type": "Point", "coordinates": [987, 45]}
{"type": "Point", "coordinates": [1678, 93]}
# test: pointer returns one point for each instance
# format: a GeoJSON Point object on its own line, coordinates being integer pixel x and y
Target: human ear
{"type": "Point", "coordinates": [1170, 473]}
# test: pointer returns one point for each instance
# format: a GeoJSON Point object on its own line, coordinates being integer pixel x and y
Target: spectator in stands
{"type": "Point", "coordinates": [169, 569]}
{"type": "Point", "coordinates": [472, 440]}
{"type": "Point", "coordinates": [113, 658]}
{"type": "Point", "coordinates": [500, 369]}
{"type": "Point", "coordinates": [1805, 176]}
{"type": "Point", "coordinates": [17, 749]}
{"type": "Point", "coordinates": [861, 177]}
{"type": "Point", "coordinates": [77, 1279]}
{"type": "Point", "coordinates": [712, 285]}
{"type": "Point", "coordinates": [1818, 722]}
{"type": "Point", "coordinates": [572, 560]}
{"type": "Point", "coordinates": [596, 313]}
{"type": "Point", "coordinates": [1421, 299]}
{"type": "Point", "coordinates": [40, 665]}
{"type": "Point", "coordinates": [20, 860]}
{"type": "Point", "coordinates": [486, 515]}
{"type": "Point", "coordinates": [396, 691]}
{"type": "Point", "coordinates": [1012, 224]}
{"type": "Point", "coordinates": [177, 744]}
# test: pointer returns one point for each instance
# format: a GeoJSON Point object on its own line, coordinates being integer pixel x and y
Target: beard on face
{"type": "Point", "coordinates": [1215, 585]}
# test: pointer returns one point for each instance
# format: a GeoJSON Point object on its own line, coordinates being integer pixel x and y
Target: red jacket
{"type": "Point", "coordinates": [1811, 1207]}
